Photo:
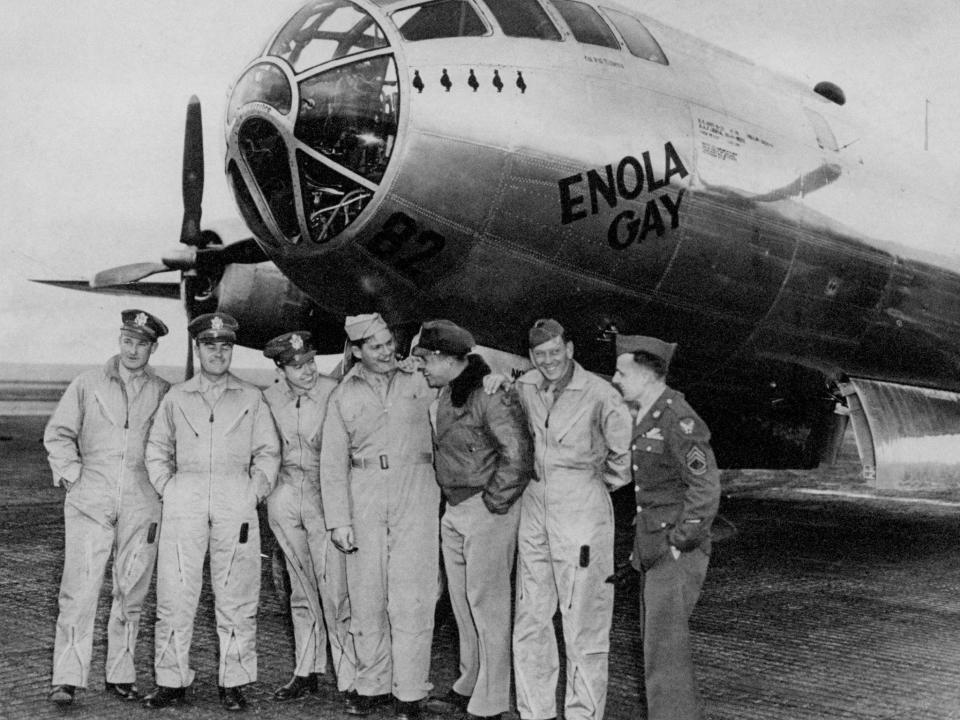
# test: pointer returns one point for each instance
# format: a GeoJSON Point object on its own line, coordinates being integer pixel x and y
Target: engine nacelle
{"type": "Point", "coordinates": [267, 304]}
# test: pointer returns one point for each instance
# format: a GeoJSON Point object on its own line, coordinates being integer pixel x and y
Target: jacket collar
{"type": "Point", "coordinates": [193, 384]}
{"type": "Point", "coordinates": [111, 370]}
{"type": "Point", "coordinates": [469, 380]}
{"type": "Point", "coordinates": [578, 381]}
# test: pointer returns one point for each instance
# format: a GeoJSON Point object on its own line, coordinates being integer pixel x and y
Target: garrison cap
{"type": "Point", "coordinates": [142, 324]}
{"type": "Point", "coordinates": [443, 336]}
{"type": "Point", "coordinates": [643, 343]}
{"type": "Point", "coordinates": [292, 348]}
{"type": "Point", "coordinates": [543, 330]}
{"type": "Point", "coordinates": [214, 326]}
{"type": "Point", "coordinates": [359, 327]}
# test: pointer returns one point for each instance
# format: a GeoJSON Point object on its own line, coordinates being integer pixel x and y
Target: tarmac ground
{"type": "Point", "coordinates": [823, 605]}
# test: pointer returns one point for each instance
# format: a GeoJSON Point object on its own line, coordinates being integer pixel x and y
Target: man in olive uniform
{"type": "Point", "coordinates": [483, 463]}
{"type": "Point", "coordinates": [678, 492]}
{"type": "Point", "coordinates": [382, 502]}
{"type": "Point", "coordinates": [213, 456]}
{"type": "Point", "coordinates": [95, 440]}
{"type": "Point", "coordinates": [319, 606]}
{"type": "Point", "coordinates": [581, 434]}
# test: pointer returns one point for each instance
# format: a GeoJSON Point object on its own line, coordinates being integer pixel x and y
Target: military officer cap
{"type": "Point", "coordinates": [214, 326]}
{"type": "Point", "coordinates": [543, 330]}
{"type": "Point", "coordinates": [292, 348]}
{"type": "Point", "coordinates": [359, 327]}
{"type": "Point", "coordinates": [443, 336]}
{"type": "Point", "coordinates": [143, 325]}
{"type": "Point", "coordinates": [650, 345]}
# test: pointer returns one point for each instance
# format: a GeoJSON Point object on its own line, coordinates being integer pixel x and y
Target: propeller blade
{"type": "Point", "coordinates": [169, 290]}
{"type": "Point", "coordinates": [126, 274]}
{"type": "Point", "coordinates": [192, 174]}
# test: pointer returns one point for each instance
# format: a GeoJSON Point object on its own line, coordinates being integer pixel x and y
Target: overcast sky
{"type": "Point", "coordinates": [94, 94]}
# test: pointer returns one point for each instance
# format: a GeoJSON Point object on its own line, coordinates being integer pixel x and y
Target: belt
{"type": "Point", "coordinates": [384, 462]}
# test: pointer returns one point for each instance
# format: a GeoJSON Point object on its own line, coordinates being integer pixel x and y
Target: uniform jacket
{"type": "Point", "coordinates": [586, 432]}
{"type": "Point", "coordinates": [678, 484]}
{"type": "Point", "coordinates": [299, 420]}
{"type": "Point", "coordinates": [223, 457]}
{"type": "Point", "coordinates": [481, 442]}
{"type": "Point", "coordinates": [362, 429]}
{"type": "Point", "coordinates": [96, 439]}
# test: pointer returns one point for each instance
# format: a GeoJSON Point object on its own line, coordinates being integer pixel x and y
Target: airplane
{"type": "Point", "coordinates": [498, 161]}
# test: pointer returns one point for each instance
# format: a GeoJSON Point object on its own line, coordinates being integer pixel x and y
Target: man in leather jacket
{"type": "Point", "coordinates": [483, 462]}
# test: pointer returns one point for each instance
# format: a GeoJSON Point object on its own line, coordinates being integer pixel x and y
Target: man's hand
{"type": "Point", "coordinates": [343, 538]}
{"type": "Point", "coordinates": [409, 364]}
{"type": "Point", "coordinates": [495, 381]}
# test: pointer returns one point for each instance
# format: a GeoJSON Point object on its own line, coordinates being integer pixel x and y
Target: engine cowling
{"type": "Point", "coordinates": [267, 304]}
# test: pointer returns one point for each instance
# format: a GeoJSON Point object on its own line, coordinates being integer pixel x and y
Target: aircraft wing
{"type": "Point", "coordinates": [170, 290]}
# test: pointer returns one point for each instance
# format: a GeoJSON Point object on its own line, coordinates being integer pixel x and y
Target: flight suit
{"type": "Point", "coordinates": [319, 604]}
{"type": "Point", "coordinates": [565, 542]}
{"type": "Point", "coordinates": [95, 440]}
{"type": "Point", "coordinates": [376, 474]}
{"type": "Point", "coordinates": [678, 492]}
{"type": "Point", "coordinates": [483, 463]}
{"type": "Point", "coordinates": [212, 465]}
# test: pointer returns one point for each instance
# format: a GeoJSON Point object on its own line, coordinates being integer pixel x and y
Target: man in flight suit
{"type": "Point", "coordinates": [318, 576]}
{"type": "Point", "coordinates": [678, 492]}
{"type": "Point", "coordinates": [95, 440]}
{"type": "Point", "coordinates": [213, 455]}
{"type": "Point", "coordinates": [381, 501]}
{"type": "Point", "coordinates": [483, 462]}
{"type": "Point", "coordinates": [581, 433]}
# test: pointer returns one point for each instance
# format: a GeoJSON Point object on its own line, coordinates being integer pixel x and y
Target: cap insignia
{"type": "Point", "coordinates": [296, 342]}
{"type": "Point", "coordinates": [140, 319]}
{"type": "Point", "coordinates": [216, 323]}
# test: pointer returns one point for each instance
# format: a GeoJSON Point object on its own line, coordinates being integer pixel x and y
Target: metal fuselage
{"type": "Point", "coordinates": [704, 201]}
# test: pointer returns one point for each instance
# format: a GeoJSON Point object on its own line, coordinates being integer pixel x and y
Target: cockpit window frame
{"type": "Point", "coordinates": [549, 14]}
{"type": "Point", "coordinates": [478, 12]}
{"type": "Point", "coordinates": [576, 30]}
{"type": "Point", "coordinates": [298, 69]}
{"type": "Point", "coordinates": [610, 15]}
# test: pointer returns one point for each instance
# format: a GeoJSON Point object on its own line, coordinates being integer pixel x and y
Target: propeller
{"type": "Point", "coordinates": [202, 257]}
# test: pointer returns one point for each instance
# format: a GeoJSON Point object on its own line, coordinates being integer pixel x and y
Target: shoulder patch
{"type": "Point", "coordinates": [687, 426]}
{"type": "Point", "coordinates": [696, 460]}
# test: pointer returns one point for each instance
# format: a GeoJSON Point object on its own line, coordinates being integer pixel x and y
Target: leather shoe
{"type": "Point", "coordinates": [232, 698]}
{"type": "Point", "coordinates": [471, 716]}
{"type": "Point", "coordinates": [361, 705]}
{"type": "Point", "coordinates": [449, 704]}
{"type": "Point", "coordinates": [122, 691]}
{"type": "Point", "coordinates": [407, 710]}
{"type": "Point", "coordinates": [164, 697]}
{"type": "Point", "coordinates": [297, 687]}
{"type": "Point", "coordinates": [62, 694]}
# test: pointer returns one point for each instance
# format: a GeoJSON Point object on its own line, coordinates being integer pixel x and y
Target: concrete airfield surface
{"type": "Point", "coordinates": [821, 606]}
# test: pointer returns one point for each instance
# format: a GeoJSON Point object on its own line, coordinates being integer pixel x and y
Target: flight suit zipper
{"type": "Point", "coordinates": [123, 449]}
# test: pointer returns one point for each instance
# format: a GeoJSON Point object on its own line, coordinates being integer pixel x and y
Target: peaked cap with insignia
{"type": "Point", "coordinates": [142, 324]}
{"type": "Point", "coordinates": [214, 326]}
{"type": "Point", "coordinates": [292, 348]}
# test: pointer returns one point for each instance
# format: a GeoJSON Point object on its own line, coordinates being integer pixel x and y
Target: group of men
{"type": "Point", "coordinates": [353, 472]}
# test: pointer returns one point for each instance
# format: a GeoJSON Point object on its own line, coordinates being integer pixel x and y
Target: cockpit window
{"type": "Point", "coordinates": [523, 18]}
{"type": "Point", "coordinates": [326, 30]}
{"type": "Point", "coordinates": [637, 37]}
{"type": "Point", "coordinates": [444, 19]}
{"type": "Point", "coordinates": [586, 24]}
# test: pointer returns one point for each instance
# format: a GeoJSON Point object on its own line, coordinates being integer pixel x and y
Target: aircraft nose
{"type": "Point", "coordinates": [312, 124]}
